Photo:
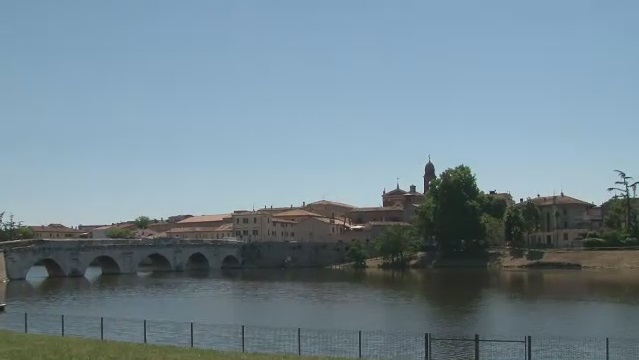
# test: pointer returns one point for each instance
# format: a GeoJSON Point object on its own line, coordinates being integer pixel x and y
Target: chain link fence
{"type": "Point", "coordinates": [332, 343]}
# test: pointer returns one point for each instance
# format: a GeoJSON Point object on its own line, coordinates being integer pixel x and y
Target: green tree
{"type": "Point", "coordinates": [119, 233]}
{"type": "Point", "coordinates": [452, 212]}
{"type": "Point", "coordinates": [622, 187]}
{"type": "Point", "coordinates": [615, 214]}
{"type": "Point", "coordinates": [514, 225]}
{"type": "Point", "coordinates": [357, 255]}
{"type": "Point", "coordinates": [142, 222]}
{"type": "Point", "coordinates": [492, 206]}
{"type": "Point", "coordinates": [493, 228]}
{"type": "Point", "coordinates": [11, 230]}
{"type": "Point", "coordinates": [395, 243]}
{"type": "Point", "coordinates": [531, 216]}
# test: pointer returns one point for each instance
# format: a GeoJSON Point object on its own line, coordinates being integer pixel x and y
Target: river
{"type": "Point", "coordinates": [537, 303]}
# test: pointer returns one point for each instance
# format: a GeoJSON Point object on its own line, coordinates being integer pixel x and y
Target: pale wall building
{"type": "Point", "coordinates": [319, 229]}
{"type": "Point", "coordinates": [223, 231]}
{"type": "Point", "coordinates": [55, 231]}
{"type": "Point", "coordinates": [261, 226]}
{"type": "Point", "coordinates": [564, 221]}
{"type": "Point", "coordinates": [330, 209]}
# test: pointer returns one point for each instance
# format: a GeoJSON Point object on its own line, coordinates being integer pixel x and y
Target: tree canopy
{"type": "Point", "coordinates": [452, 211]}
{"type": "Point", "coordinates": [395, 242]}
{"type": "Point", "coordinates": [142, 222]}
{"type": "Point", "coordinates": [119, 233]}
{"type": "Point", "coordinates": [11, 230]}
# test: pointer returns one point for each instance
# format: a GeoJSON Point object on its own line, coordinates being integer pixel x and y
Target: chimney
{"type": "Point", "coordinates": [413, 189]}
{"type": "Point", "coordinates": [521, 200]}
{"type": "Point", "coordinates": [303, 203]}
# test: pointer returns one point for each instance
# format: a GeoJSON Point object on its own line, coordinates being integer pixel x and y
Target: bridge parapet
{"type": "Point", "coordinates": [71, 257]}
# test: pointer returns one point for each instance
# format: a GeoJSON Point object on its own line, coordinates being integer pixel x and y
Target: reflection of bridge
{"type": "Point", "coordinates": [72, 257]}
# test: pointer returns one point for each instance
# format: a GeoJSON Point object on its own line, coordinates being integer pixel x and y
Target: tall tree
{"type": "Point", "coordinates": [452, 211]}
{"type": "Point", "coordinates": [394, 243]}
{"type": "Point", "coordinates": [12, 230]}
{"type": "Point", "coordinates": [622, 187]}
{"type": "Point", "coordinates": [142, 222]}
{"type": "Point", "coordinates": [531, 216]}
{"type": "Point", "coordinates": [514, 225]}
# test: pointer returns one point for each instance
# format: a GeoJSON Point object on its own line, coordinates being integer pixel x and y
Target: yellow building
{"type": "Point", "coordinates": [319, 229]}
{"type": "Point", "coordinates": [261, 226]}
{"type": "Point", "coordinates": [55, 231]}
{"type": "Point", "coordinates": [329, 209]}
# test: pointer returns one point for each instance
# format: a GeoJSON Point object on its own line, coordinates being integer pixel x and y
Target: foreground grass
{"type": "Point", "coordinates": [16, 346]}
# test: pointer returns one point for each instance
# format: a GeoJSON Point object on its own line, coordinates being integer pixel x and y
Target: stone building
{"type": "Point", "coordinates": [329, 209]}
{"type": "Point", "coordinates": [55, 231]}
{"type": "Point", "coordinates": [261, 226]}
{"type": "Point", "coordinates": [223, 231]}
{"type": "Point", "coordinates": [565, 220]}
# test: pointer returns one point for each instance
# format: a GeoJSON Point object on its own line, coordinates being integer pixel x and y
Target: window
{"type": "Point", "coordinates": [268, 220]}
{"type": "Point", "coordinates": [333, 229]}
{"type": "Point", "coordinates": [254, 220]}
{"type": "Point", "coordinates": [245, 221]}
{"type": "Point", "coordinates": [255, 232]}
{"type": "Point", "coordinates": [245, 232]}
{"type": "Point", "coordinates": [565, 236]}
{"type": "Point", "coordinates": [292, 234]}
{"type": "Point", "coordinates": [282, 233]}
{"type": "Point", "coordinates": [565, 224]}
{"type": "Point", "coordinates": [565, 211]}
{"type": "Point", "coordinates": [548, 240]}
{"type": "Point", "coordinates": [238, 220]}
{"type": "Point", "coordinates": [238, 232]}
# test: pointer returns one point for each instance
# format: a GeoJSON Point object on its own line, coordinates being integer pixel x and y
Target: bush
{"type": "Point", "coordinates": [595, 243]}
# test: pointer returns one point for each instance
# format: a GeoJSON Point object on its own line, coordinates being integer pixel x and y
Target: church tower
{"type": "Point", "coordinates": [429, 174]}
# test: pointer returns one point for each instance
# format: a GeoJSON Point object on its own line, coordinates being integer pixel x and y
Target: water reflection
{"type": "Point", "coordinates": [456, 301]}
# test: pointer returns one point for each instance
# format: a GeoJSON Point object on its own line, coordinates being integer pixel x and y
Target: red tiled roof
{"type": "Point", "coordinates": [379, 208]}
{"type": "Point", "coordinates": [297, 213]}
{"type": "Point", "coordinates": [558, 200]}
{"type": "Point", "coordinates": [205, 218]}
{"type": "Point", "coordinates": [55, 228]}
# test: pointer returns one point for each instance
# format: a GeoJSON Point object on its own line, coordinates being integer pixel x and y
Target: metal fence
{"type": "Point", "coordinates": [332, 343]}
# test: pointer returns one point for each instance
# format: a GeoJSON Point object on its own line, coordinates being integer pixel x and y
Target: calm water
{"type": "Point", "coordinates": [579, 303]}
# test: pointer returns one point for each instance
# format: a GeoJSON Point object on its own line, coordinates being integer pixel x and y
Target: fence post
{"type": "Point", "coordinates": [102, 328]}
{"type": "Point", "coordinates": [62, 324]}
{"type": "Point", "coordinates": [426, 346]}
{"type": "Point", "coordinates": [26, 327]}
{"type": "Point", "coordinates": [145, 331]}
{"type": "Point", "coordinates": [529, 348]}
{"type": "Point", "coordinates": [359, 341]}
{"type": "Point", "coordinates": [191, 334]}
{"type": "Point", "coordinates": [299, 341]}
{"type": "Point", "coordinates": [607, 348]}
{"type": "Point", "coordinates": [476, 346]}
{"type": "Point", "coordinates": [242, 338]}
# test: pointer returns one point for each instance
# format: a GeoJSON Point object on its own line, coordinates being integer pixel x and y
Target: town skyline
{"type": "Point", "coordinates": [301, 203]}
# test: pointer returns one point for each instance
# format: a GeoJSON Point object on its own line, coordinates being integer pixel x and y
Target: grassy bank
{"type": "Point", "coordinates": [585, 259]}
{"type": "Point", "coordinates": [16, 346]}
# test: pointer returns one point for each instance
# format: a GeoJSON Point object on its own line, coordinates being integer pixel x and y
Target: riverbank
{"type": "Point", "coordinates": [16, 346]}
{"type": "Point", "coordinates": [570, 259]}
{"type": "Point", "coordinates": [526, 259]}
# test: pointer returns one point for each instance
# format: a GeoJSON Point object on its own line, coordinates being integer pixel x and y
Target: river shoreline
{"type": "Point", "coordinates": [508, 259]}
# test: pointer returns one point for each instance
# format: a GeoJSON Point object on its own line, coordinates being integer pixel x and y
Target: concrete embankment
{"type": "Point", "coordinates": [570, 259]}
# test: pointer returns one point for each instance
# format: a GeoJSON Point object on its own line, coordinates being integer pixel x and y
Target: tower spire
{"type": "Point", "coordinates": [397, 183]}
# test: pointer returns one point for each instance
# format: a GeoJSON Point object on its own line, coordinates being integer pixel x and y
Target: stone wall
{"type": "Point", "coordinates": [3, 270]}
{"type": "Point", "coordinates": [294, 255]}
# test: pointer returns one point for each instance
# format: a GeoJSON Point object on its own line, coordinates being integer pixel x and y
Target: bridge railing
{"type": "Point", "coordinates": [318, 342]}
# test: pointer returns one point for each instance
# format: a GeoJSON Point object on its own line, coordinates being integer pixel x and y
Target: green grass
{"type": "Point", "coordinates": [17, 346]}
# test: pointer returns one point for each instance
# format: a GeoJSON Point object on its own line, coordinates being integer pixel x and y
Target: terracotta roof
{"type": "Point", "coordinates": [126, 225]}
{"type": "Point", "coordinates": [223, 227]}
{"type": "Point", "coordinates": [558, 199]}
{"type": "Point", "coordinates": [327, 202]}
{"type": "Point", "coordinates": [191, 229]}
{"type": "Point", "coordinates": [379, 208]}
{"type": "Point", "coordinates": [205, 218]}
{"type": "Point", "coordinates": [296, 213]}
{"type": "Point", "coordinates": [330, 221]}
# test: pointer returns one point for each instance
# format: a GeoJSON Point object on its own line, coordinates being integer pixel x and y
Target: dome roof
{"type": "Point", "coordinates": [430, 168]}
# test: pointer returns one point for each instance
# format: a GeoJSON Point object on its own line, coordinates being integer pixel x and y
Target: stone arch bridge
{"type": "Point", "coordinates": [72, 257]}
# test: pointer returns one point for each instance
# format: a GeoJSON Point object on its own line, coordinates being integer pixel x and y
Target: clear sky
{"type": "Point", "coordinates": [114, 109]}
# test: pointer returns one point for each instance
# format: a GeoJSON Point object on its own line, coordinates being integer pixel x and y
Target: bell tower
{"type": "Point", "coordinates": [429, 175]}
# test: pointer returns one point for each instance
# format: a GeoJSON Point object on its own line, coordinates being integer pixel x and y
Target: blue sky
{"type": "Point", "coordinates": [114, 109]}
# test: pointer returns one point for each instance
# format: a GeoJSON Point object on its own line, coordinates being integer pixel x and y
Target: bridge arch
{"type": "Point", "coordinates": [53, 267]}
{"type": "Point", "coordinates": [107, 264]}
{"type": "Point", "coordinates": [197, 262]}
{"type": "Point", "coordinates": [155, 262]}
{"type": "Point", "coordinates": [230, 262]}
